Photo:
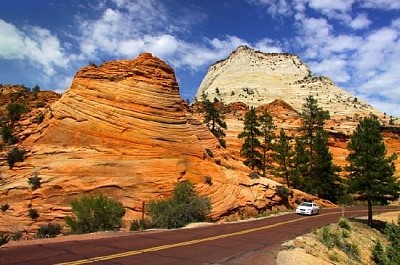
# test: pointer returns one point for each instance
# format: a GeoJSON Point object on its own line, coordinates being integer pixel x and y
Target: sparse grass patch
{"type": "Point", "coordinates": [343, 223]}
{"type": "Point", "coordinates": [140, 225]}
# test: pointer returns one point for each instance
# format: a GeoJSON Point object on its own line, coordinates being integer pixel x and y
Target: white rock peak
{"type": "Point", "coordinates": [256, 78]}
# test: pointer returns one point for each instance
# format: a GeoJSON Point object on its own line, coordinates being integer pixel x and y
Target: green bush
{"type": "Point", "coordinates": [34, 181]}
{"type": "Point", "coordinates": [139, 225]}
{"type": "Point", "coordinates": [92, 214]}
{"type": "Point", "coordinates": [184, 207]}
{"type": "Point", "coordinates": [7, 134]}
{"type": "Point", "coordinates": [209, 153]}
{"type": "Point", "coordinates": [33, 214]}
{"type": "Point", "coordinates": [15, 110]}
{"type": "Point", "coordinates": [5, 207]}
{"type": "Point", "coordinates": [49, 230]}
{"type": "Point", "coordinates": [15, 155]}
{"type": "Point", "coordinates": [343, 223]}
{"type": "Point", "coordinates": [378, 254]}
{"type": "Point", "coordinates": [4, 238]}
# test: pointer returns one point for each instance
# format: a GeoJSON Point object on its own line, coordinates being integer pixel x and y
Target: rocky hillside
{"type": "Point", "coordinates": [257, 78]}
{"type": "Point", "coordinates": [122, 129]}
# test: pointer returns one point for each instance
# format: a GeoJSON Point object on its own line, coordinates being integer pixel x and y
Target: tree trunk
{"type": "Point", "coordinates": [370, 213]}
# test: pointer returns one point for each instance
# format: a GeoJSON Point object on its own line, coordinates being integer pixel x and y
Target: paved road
{"type": "Point", "coordinates": [255, 242]}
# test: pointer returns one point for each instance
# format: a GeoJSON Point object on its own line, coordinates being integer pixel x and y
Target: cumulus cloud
{"type": "Point", "coordinates": [381, 4]}
{"type": "Point", "coordinates": [360, 22]}
{"type": "Point", "coordinates": [34, 44]}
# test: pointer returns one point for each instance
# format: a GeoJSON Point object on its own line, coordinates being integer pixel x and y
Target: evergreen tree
{"type": "Point", "coordinates": [300, 164]}
{"type": "Point", "coordinates": [251, 145]}
{"type": "Point", "coordinates": [283, 156]}
{"type": "Point", "coordinates": [371, 171]}
{"type": "Point", "coordinates": [320, 177]}
{"type": "Point", "coordinates": [313, 119]}
{"type": "Point", "coordinates": [214, 120]}
{"type": "Point", "coordinates": [267, 128]}
{"type": "Point", "coordinates": [325, 178]}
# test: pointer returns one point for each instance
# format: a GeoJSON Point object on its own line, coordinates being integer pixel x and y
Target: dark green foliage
{"type": "Point", "coordinates": [41, 104]}
{"type": "Point", "coordinates": [371, 172]}
{"type": "Point", "coordinates": [184, 207]}
{"type": "Point", "coordinates": [33, 214]}
{"type": "Point", "coordinates": [316, 172]}
{"type": "Point", "coordinates": [208, 180]}
{"type": "Point", "coordinates": [267, 129]}
{"type": "Point", "coordinates": [97, 213]}
{"type": "Point", "coordinates": [35, 91]}
{"type": "Point", "coordinates": [283, 157]}
{"type": "Point", "coordinates": [283, 192]}
{"type": "Point", "coordinates": [4, 238]}
{"type": "Point", "coordinates": [214, 120]}
{"type": "Point", "coordinates": [34, 181]}
{"type": "Point", "coordinates": [5, 207]}
{"type": "Point", "coordinates": [343, 223]}
{"type": "Point", "coordinates": [390, 256]}
{"type": "Point", "coordinates": [15, 110]}
{"type": "Point", "coordinates": [7, 134]}
{"type": "Point", "coordinates": [139, 225]}
{"type": "Point", "coordinates": [379, 254]}
{"type": "Point", "coordinates": [49, 230]}
{"type": "Point", "coordinates": [251, 145]}
{"type": "Point", "coordinates": [15, 155]}
{"type": "Point", "coordinates": [39, 118]}
{"type": "Point", "coordinates": [209, 153]}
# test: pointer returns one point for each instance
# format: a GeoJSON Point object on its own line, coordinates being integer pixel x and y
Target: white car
{"type": "Point", "coordinates": [309, 208]}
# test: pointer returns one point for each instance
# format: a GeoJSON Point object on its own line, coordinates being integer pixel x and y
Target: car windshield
{"type": "Point", "coordinates": [306, 204]}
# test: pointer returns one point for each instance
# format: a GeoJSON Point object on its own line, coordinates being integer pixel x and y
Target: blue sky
{"type": "Point", "coordinates": [354, 42]}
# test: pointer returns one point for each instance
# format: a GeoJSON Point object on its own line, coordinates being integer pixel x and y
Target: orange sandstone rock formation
{"type": "Point", "coordinates": [122, 130]}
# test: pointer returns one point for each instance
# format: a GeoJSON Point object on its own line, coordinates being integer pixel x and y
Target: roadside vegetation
{"type": "Point", "coordinates": [184, 207]}
{"type": "Point", "coordinates": [347, 242]}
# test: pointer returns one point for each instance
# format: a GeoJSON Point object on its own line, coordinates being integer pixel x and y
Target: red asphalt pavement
{"type": "Point", "coordinates": [142, 246]}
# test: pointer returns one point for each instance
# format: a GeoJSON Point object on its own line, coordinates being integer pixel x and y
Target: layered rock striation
{"type": "Point", "coordinates": [122, 130]}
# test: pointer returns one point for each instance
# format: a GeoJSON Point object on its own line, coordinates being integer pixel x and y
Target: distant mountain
{"type": "Point", "coordinates": [257, 78]}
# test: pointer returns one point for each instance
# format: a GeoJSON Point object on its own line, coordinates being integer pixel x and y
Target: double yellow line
{"type": "Point", "coordinates": [185, 243]}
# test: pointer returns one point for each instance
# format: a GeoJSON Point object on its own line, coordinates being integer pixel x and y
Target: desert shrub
{"type": "Point", "coordinates": [5, 207]}
{"type": "Point", "coordinates": [282, 192]}
{"type": "Point", "coordinates": [208, 180]}
{"type": "Point", "coordinates": [4, 238]}
{"type": "Point", "coordinates": [34, 181]}
{"type": "Point", "coordinates": [209, 153]}
{"type": "Point", "coordinates": [378, 254]}
{"type": "Point", "coordinates": [15, 110]}
{"type": "Point", "coordinates": [15, 155]}
{"type": "Point", "coordinates": [184, 207]}
{"type": "Point", "coordinates": [49, 230]}
{"type": "Point", "coordinates": [39, 118]}
{"type": "Point", "coordinates": [33, 214]}
{"type": "Point", "coordinates": [41, 104]}
{"type": "Point", "coordinates": [139, 225]}
{"type": "Point", "coordinates": [334, 256]}
{"type": "Point", "coordinates": [7, 134]}
{"type": "Point", "coordinates": [343, 223]}
{"type": "Point", "coordinates": [92, 214]}
{"type": "Point", "coordinates": [17, 235]}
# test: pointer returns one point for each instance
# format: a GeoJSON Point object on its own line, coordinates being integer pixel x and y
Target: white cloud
{"type": "Point", "coordinates": [35, 44]}
{"type": "Point", "coordinates": [381, 4]}
{"type": "Point", "coordinates": [360, 22]}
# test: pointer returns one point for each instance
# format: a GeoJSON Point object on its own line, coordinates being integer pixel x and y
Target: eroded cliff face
{"type": "Point", "coordinates": [122, 130]}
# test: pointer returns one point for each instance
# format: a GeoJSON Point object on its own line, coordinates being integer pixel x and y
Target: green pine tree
{"type": "Point", "coordinates": [267, 129]}
{"type": "Point", "coordinates": [251, 145]}
{"type": "Point", "coordinates": [214, 120]}
{"type": "Point", "coordinates": [371, 171]}
{"type": "Point", "coordinates": [300, 165]}
{"type": "Point", "coordinates": [283, 156]}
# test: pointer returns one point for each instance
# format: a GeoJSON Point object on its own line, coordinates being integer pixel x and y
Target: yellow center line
{"type": "Point", "coordinates": [187, 243]}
